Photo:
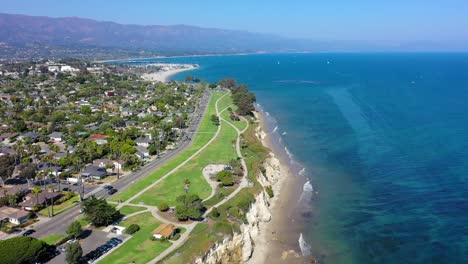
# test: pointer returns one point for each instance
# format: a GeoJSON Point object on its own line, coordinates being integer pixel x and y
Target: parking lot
{"type": "Point", "coordinates": [93, 239]}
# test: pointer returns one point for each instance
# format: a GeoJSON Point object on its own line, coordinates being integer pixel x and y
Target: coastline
{"type": "Point", "coordinates": [200, 55]}
{"type": "Point", "coordinates": [165, 76]}
{"type": "Point", "coordinates": [277, 241]}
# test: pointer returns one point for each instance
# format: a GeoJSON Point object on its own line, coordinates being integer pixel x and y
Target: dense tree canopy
{"type": "Point", "coordinates": [19, 250]}
{"type": "Point", "coordinates": [99, 212]}
{"type": "Point", "coordinates": [190, 207]}
{"type": "Point", "coordinates": [74, 253]}
{"type": "Point", "coordinates": [7, 166]}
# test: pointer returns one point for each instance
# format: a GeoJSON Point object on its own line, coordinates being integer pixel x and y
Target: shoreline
{"type": "Point", "coordinates": [165, 76]}
{"type": "Point", "coordinates": [199, 55]}
{"type": "Point", "coordinates": [279, 236]}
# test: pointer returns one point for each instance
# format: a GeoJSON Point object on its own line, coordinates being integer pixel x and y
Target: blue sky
{"type": "Point", "coordinates": [364, 20]}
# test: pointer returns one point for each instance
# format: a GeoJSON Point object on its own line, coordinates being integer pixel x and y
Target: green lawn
{"type": "Point", "coordinates": [53, 238]}
{"type": "Point", "coordinates": [219, 196]}
{"type": "Point", "coordinates": [126, 210]}
{"type": "Point", "coordinates": [221, 150]}
{"type": "Point", "coordinates": [199, 140]}
{"type": "Point", "coordinates": [139, 248]}
{"type": "Point", "coordinates": [63, 206]}
{"type": "Point", "coordinates": [238, 124]}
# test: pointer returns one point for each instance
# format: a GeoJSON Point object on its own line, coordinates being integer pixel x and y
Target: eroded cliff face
{"type": "Point", "coordinates": [240, 247]}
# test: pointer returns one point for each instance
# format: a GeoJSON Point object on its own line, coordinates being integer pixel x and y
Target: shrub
{"type": "Point", "coordinates": [269, 191]}
{"type": "Point", "coordinates": [215, 213]}
{"type": "Point", "coordinates": [163, 207]}
{"type": "Point", "coordinates": [225, 177]}
{"type": "Point", "coordinates": [176, 237]}
{"type": "Point", "coordinates": [132, 229]}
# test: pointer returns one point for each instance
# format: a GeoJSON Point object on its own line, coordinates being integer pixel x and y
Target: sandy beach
{"type": "Point", "coordinates": [166, 72]}
{"type": "Point", "coordinates": [280, 235]}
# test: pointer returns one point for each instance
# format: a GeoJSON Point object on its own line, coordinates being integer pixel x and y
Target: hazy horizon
{"type": "Point", "coordinates": [394, 24]}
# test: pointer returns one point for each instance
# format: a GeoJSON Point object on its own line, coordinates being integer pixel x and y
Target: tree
{"type": "Point", "coordinates": [36, 191]}
{"type": "Point", "coordinates": [74, 229]}
{"type": "Point", "coordinates": [28, 172]}
{"type": "Point", "coordinates": [99, 212]}
{"type": "Point", "coordinates": [215, 120]}
{"type": "Point", "coordinates": [7, 166]}
{"type": "Point", "coordinates": [225, 177]}
{"type": "Point", "coordinates": [190, 207]}
{"type": "Point", "coordinates": [74, 253]}
{"type": "Point", "coordinates": [86, 110]}
{"type": "Point", "coordinates": [22, 249]}
{"type": "Point", "coordinates": [228, 83]}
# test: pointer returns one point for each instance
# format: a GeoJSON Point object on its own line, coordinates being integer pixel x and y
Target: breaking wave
{"type": "Point", "coordinates": [274, 130]}
{"type": "Point", "coordinates": [307, 193]}
{"type": "Point", "coordinates": [304, 246]}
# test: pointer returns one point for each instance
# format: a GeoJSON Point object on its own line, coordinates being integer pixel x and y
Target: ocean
{"type": "Point", "coordinates": [382, 139]}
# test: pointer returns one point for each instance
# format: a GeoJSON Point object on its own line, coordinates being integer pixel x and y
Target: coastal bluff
{"type": "Point", "coordinates": [246, 246]}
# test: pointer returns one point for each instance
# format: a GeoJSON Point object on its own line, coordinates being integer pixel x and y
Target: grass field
{"type": "Point", "coordinates": [126, 210]}
{"type": "Point", "coordinates": [199, 140]}
{"type": "Point", "coordinates": [62, 207]}
{"type": "Point", "coordinates": [139, 248]}
{"type": "Point", "coordinates": [53, 238]}
{"type": "Point", "coordinates": [221, 150]}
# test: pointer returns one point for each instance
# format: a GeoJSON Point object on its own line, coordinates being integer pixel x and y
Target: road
{"type": "Point", "coordinates": [60, 222]}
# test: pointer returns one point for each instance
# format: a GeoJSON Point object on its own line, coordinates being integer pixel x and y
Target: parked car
{"type": "Point", "coordinates": [118, 240]}
{"type": "Point", "coordinates": [112, 191]}
{"type": "Point", "coordinates": [65, 189]}
{"type": "Point", "coordinates": [29, 232]}
{"type": "Point", "coordinates": [108, 187]}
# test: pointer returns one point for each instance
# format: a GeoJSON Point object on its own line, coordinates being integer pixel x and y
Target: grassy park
{"type": "Point", "coordinates": [139, 248]}
{"type": "Point", "coordinates": [127, 210]}
{"type": "Point", "coordinates": [221, 150]}
{"type": "Point", "coordinates": [200, 139]}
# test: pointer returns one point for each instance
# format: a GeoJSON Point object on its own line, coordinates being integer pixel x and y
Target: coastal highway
{"type": "Point", "coordinates": [59, 223]}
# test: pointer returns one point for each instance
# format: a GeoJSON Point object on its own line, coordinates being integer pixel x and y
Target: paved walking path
{"type": "Point", "coordinates": [189, 227]}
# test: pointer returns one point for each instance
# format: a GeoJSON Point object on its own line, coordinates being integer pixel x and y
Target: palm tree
{"type": "Point", "coordinates": [36, 191]}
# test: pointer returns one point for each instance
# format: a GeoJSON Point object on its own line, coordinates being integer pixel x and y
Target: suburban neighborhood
{"type": "Point", "coordinates": [95, 159]}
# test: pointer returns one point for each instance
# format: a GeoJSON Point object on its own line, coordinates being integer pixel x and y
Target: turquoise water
{"type": "Point", "coordinates": [383, 139]}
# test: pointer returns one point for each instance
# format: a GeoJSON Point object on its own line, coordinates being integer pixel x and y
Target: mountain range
{"type": "Point", "coordinates": [21, 31]}
{"type": "Point", "coordinates": [23, 36]}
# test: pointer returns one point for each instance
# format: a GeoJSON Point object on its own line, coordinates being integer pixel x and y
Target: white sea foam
{"type": "Point", "coordinates": [266, 113]}
{"type": "Point", "coordinates": [307, 193]}
{"type": "Point", "coordinates": [274, 130]}
{"type": "Point", "coordinates": [304, 246]}
{"type": "Point", "coordinates": [284, 133]}
{"type": "Point", "coordinates": [302, 172]}
{"type": "Point", "coordinates": [289, 153]}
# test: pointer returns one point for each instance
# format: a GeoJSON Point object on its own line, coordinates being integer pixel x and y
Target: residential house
{"type": "Point", "coordinates": [13, 215]}
{"type": "Point", "coordinates": [94, 172]}
{"type": "Point", "coordinates": [142, 152]}
{"type": "Point", "coordinates": [164, 231]}
{"type": "Point", "coordinates": [47, 167]}
{"type": "Point", "coordinates": [103, 163]}
{"type": "Point", "coordinates": [56, 136]}
{"type": "Point", "coordinates": [32, 135]}
{"type": "Point", "coordinates": [31, 200]}
{"type": "Point", "coordinates": [143, 141]}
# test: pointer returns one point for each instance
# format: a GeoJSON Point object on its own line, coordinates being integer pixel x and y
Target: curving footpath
{"type": "Point", "coordinates": [189, 227]}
